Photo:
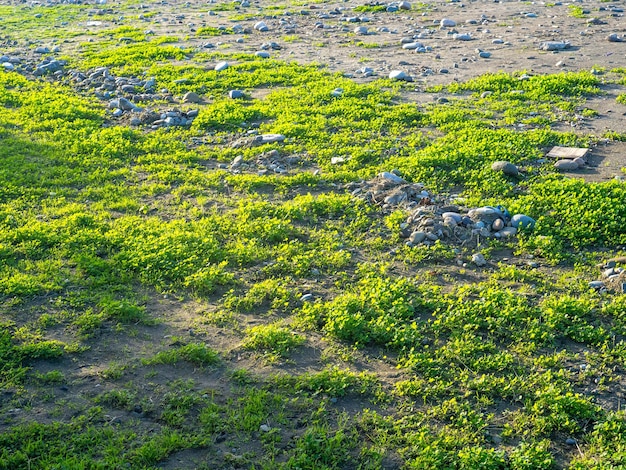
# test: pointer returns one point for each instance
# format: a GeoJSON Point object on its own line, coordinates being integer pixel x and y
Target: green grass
{"type": "Point", "coordinates": [151, 298]}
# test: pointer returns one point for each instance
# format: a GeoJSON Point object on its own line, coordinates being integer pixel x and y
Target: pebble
{"type": "Point", "coordinates": [614, 38]}
{"type": "Point", "coordinates": [221, 66]}
{"type": "Point", "coordinates": [404, 5]}
{"type": "Point", "coordinates": [479, 260]}
{"type": "Point", "coordinates": [412, 45]}
{"type": "Point", "coordinates": [484, 54]}
{"type": "Point", "coordinates": [447, 23]}
{"type": "Point", "coordinates": [506, 232]}
{"type": "Point", "coordinates": [400, 75]}
{"type": "Point", "coordinates": [497, 225]}
{"type": "Point", "coordinates": [264, 428]}
{"type": "Point", "coordinates": [395, 179]}
{"type": "Point", "coordinates": [261, 26]}
{"type": "Point", "coordinates": [522, 221]}
{"type": "Point", "coordinates": [269, 138]}
{"type": "Point", "coordinates": [505, 167]}
{"type": "Point", "coordinates": [570, 442]}
{"type": "Point", "coordinates": [596, 284]}
{"type": "Point", "coordinates": [191, 97]}
{"type": "Point", "coordinates": [306, 298]}
{"type": "Point", "coordinates": [554, 45]}
{"type": "Point", "coordinates": [417, 237]}
{"type": "Point", "coordinates": [235, 94]}
{"type": "Point", "coordinates": [362, 30]}
{"type": "Point", "coordinates": [566, 165]}
{"type": "Point", "coordinates": [462, 37]}
{"type": "Point", "coordinates": [262, 54]}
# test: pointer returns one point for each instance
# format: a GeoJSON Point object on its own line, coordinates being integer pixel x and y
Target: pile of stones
{"type": "Point", "coordinates": [433, 218]}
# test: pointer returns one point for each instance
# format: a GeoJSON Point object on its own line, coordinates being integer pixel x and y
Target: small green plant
{"type": "Point", "coordinates": [272, 338]}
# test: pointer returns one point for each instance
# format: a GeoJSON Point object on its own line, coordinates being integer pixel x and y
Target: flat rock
{"type": "Point", "coordinates": [554, 45]}
{"type": "Point", "coordinates": [221, 66]}
{"type": "Point", "coordinates": [566, 165]}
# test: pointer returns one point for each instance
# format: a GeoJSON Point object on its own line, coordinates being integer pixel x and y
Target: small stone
{"type": "Point", "coordinates": [220, 66]}
{"type": "Point", "coordinates": [191, 97]}
{"type": "Point", "coordinates": [596, 284]}
{"type": "Point", "coordinates": [237, 161]}
{"type": "Point", "coordinates": [235, 94]}
{"type": "Point", "coordinates": [447, 23]}
{"type": "Point", "coordinates": [261, 26]}
{"type": "Point", "coordinates": [362, 30]}
{"type": "Point", "coordinates": [42, 50]}
{"type": "Point", "coordinates": [570, 442]}
{"type": "Point", "coordinates": [614, 38]}
{"type": "Point", "coordinates": [399, 75]}
{"type": "Point", "coordinates": [417, 237]}
{"type": "Point", "coordinates": [566, 165]}
{"type": "Point", "coordinates": [262, 54]}
{"type": "Point", "coordinates": [306, 298]}
{"type": "Point", "coordinates": [554, 45]}
{"type": "Point", "coordinates": [386, 175]}
{"type": "Point", "coordinates": [264, 428]}
{"type": "Point", "coordinates": [462, 37]}
{"type": "Point", "coordinates": [497, 225]}
{"type": "Point", "coordinates": [412, 45]}
{"type": "Point", "coordinates": [479, 260]}
{"type": "Point", "coordinates": [269, 138]}
{"type": "Point", "coordinates": [506, 232]}
{"type": "Point", "coordinates": [505, 167]}
{"type": "Point", "coordinates": [521, 221]}
{"type": "Point", "coordinates": [484, 54]}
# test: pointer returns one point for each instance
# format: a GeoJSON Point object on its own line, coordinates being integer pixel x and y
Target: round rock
{"type": "Point", "coordinates": [505, 167]}
{"type": "Point", "coordinates": [522, 221]}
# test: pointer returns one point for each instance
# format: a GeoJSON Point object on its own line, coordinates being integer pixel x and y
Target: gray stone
{"type": "Point", "coordinates": [570, 441]}
{"type": "Point", "coordinates": [614, 38]}
{"type": "Point", "coordinates": [191, 97]}
{"type": "Point", "coordinates": [506, 232]}
{"type": "Point", "coordinates": [235, 94]}
{"type": "Point", "coordinates": [566, 165]}
{"type": "Point", "coordinates": [447, 23]}
{"type": "Point", "coordinates": [417, 237]}
{"type": "Point", "coordinates": [306, 298]}
{"type": "Point", "coordinates": [554, 45]}
{"type": "Point", "coordinates": [462, 37]}
{"type": "Point", "coordinates": [522, 221]}
{"type": "Point", "coordinates": [505, 167]}
{"type": "Point", "coordinates": [404, 5]}
{"type": "Point", "coordinates": [484, 54]}
{"type": "Point", "coordinates": [479, 260]}
{"type": "Point", "coordinates": [596, 284]}
{"type": "Point", "coordinates": [262, 54]}
{"type": "Point", "coordinates": [261, 26]}
{"type": "Point", "coordinates": [362, 30]}
{"type": "Point", "coordinates": [413, 46]}
{"type": "Point", "coordinates": [269, 138]}
{"type": "Point", "coordinates": [386, 175]}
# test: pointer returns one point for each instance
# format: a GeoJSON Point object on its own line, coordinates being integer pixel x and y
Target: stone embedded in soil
{"type": "Point", "coordinates": [462, 37]}
{"type": "Point", "coordinates": [614, 38]}
{"type": "Point", "coordinates": [235, 94]}
{"type": "Point", "coordinates": [554, 45]}
{"type": "Point", "coordinates": [479, 260]}
{"type": "Point", "coordinates": [395, 179]}
{"type": "Point", "coordinates": [269, 138]}
{"type": "Point", "coordinates": [447, 23]}
{"type": "Point", "coordinates": [400, 75]}
{"type": "Point", "coordinates": [220, 66]}
{"type": "Point", "coordinates": [417, 237]}
{"type": "Point", "coordinates": [566, 165]}
{"type": "Point", "coordinates": [522, 221]}
{"type": "Point", "coordinates": [191, 97]}
{"type": "Point", "coordinates": [261, 26]}
{"type": "Point", "coordinates": [505, 167]}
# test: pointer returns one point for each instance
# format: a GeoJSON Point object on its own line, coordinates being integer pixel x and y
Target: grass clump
{"type": "Point", "coordinates": [272, 338]}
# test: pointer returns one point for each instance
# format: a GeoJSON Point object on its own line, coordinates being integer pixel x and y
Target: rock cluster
{"type": "Point", "coordinates": [432, 218]}
{"type": "Point", "coordinates": [613, 277]}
